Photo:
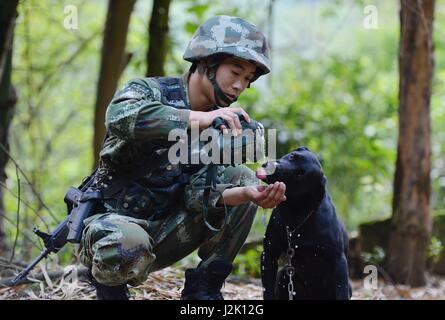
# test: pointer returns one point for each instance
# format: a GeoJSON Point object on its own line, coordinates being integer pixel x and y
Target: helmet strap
{"type": "Point", "coordinates": [219, 94]}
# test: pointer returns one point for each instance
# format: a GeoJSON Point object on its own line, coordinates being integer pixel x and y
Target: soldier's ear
{"type": "Point", "coordinates": [204, 62]}
{"type": "Point", "coordinates": [201, 66]}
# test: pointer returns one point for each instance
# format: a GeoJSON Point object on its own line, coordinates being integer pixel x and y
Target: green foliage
{"type": "Point", "coordinates": [435, 249]}
{"type": "Point", "coordinates": [343, 104]}
{"type": "Point", "coordinates": [248, 264]}
{"type": "Point", "coordinates": [51, 134]}
{"type": "Point", "coordinates": [375, 257]}
{"type": "Point", "coordinates": [340, 98]}
{"type": "Point", "coordinates": [344, 112]}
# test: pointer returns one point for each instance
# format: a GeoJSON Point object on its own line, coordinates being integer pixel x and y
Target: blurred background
{"type": "Point", "coordinates": [334, 88]}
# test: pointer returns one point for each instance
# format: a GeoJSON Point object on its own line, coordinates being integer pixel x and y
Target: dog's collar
{"type": "Point", "coordinates": [289, 232]}
{"type": "Point", "coordinates": [290, 270]}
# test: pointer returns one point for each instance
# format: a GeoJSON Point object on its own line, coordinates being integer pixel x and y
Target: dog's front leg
{"type": "Point", "coordinates": [273, 247]}
{"type": "Point", "coordinates": [343, 290]}
{"type": "Point", "coordinates": [269, 268]}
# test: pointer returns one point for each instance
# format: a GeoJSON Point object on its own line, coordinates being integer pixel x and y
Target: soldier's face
{"type": "Point", "coordinates": [234, 75]}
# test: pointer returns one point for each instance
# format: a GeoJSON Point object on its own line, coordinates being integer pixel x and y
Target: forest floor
{"type": "Point", "coordinates": [167, 285]}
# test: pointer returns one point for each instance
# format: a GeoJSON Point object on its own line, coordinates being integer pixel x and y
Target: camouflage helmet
{"type": "Point", "coordinates": [229, 35]}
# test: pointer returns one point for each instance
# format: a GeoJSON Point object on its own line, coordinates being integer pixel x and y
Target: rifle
{"type": "Point", "coordinates": [80, 206]}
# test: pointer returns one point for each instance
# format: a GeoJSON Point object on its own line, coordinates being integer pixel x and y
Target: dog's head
{"type": "Point", "coordinates": [300, 170]}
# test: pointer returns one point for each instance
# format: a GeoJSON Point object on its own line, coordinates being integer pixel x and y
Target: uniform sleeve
{"type": "Point", "coordinates": [193, 195]}
{"type": "Point", "coordinates": [136, 112]}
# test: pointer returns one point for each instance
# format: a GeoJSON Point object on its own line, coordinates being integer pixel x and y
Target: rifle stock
{"type": "Point", "coordinates": [81, 205]}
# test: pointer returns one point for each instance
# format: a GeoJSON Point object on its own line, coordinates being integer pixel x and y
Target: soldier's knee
{"type": "Point", "coordinates": [120, 252]}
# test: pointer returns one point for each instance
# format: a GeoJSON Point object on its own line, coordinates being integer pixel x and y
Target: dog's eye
{"type": "Point", "coordinates": [291, 157]}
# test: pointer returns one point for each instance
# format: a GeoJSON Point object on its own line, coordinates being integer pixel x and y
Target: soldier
{"type": "Point", "coordinates": [153, 217]}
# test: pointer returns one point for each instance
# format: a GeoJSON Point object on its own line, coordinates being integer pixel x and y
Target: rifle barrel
{"type": "Point", "coordinates": [25, 272]}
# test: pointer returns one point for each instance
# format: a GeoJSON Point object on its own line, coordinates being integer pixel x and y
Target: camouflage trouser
{"type": "Point", "coordinates": [121, 249]}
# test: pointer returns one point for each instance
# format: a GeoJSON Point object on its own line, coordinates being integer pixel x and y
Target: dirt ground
{"type": "Point", "coordinates": [167, 285]}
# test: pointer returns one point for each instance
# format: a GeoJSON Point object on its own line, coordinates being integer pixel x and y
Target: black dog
{"type": "Point", "coordinates": [304, 229]}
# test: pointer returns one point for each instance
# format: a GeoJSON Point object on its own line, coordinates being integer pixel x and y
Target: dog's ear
{"type": "Point", "coordinates": [320, 160]}
{"type": "Point", "coordinates": [324, 181]}
{"type": "Point", "coordinates": [320, 190]}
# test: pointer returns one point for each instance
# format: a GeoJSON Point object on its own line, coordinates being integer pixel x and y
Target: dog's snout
{"type": "Point", "coordinates": [270, 167]}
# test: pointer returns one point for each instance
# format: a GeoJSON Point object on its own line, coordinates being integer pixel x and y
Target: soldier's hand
{"type": "Point", "coordinates": [229, 115]}
{"type": "Point", "coordinates": [267, 196]}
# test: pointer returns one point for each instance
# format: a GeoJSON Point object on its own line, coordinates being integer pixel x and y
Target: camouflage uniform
{"type": "Point", "coordinates": [120, 244]}
{"type": "Point", "coordinates": [119, 247]}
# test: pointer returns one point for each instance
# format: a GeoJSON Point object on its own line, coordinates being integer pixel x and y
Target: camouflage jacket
{"type": "Point", "coordinates": [138, 121]}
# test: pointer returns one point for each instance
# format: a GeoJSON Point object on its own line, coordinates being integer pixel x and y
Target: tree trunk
{"type": "Point", "coordinates": [158, 39]}
{"type": "Point", "coordinates": [8, 98]}
{"type": "Point", "coordinates": [113, 61]}
{"type": "Point", "coordinates": [411, 220]}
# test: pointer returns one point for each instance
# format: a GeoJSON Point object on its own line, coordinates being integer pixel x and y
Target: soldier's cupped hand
{"type": "Point", "coordinates": [267, 196]}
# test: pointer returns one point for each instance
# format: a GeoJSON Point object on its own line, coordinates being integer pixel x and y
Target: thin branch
{"type": "Point", "coordinates": [27, 180]}
{"type": "Point", "coordinates": [36, 244]}
{"type": "Point", "coordinates": [324, 47]}
{"type": "Point", "coordinates": [18, 264]}
{"type": "Point", "coordinates": [57, 130]}
{"type": "Point", "coordinates": [7, 282]}
{"type": "Point", "coordinates": [17, 216]}
{"type": "Point", "coordinates": [32, 118]}
{"type": "Point", "coordinates": [26, 204]}
{"type": "Point", "coordinates": [46, 80]}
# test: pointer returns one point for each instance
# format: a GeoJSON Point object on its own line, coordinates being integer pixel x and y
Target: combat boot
{"type": "Point", "coordinates": [104, 292]}
{"type": "Point", "coordinates": [205, 283]}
